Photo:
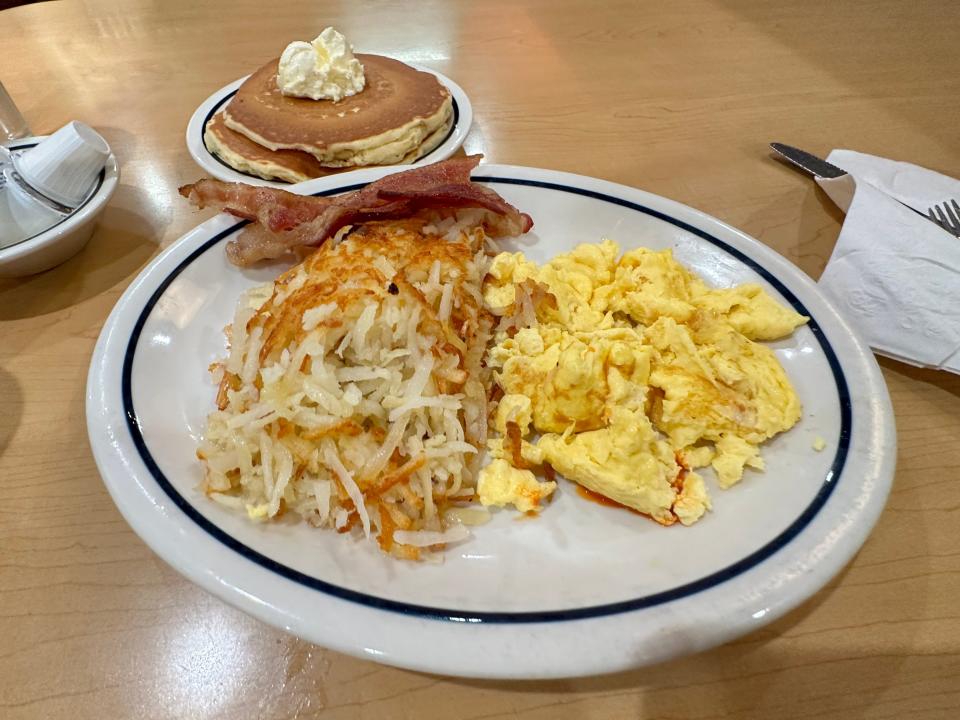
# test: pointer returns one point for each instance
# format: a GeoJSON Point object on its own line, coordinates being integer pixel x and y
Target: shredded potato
{"type": "Point", "coordinates": [354, 392]}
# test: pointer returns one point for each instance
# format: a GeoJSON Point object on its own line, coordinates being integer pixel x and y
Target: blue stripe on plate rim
{"type": "Point", "coordinates": [215, 108]}
{"type": "Point", "coordinates": [830, 480]}
{"type": "Point", "coordinates": [15, 145]}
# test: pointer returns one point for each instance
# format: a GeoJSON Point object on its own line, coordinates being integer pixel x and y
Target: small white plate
{"type": "Point", "coordinates": [462, 120]}
{"type": "Point", "coordinates": [583, 589]}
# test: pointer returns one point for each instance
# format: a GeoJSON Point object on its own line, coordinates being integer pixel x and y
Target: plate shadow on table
{"type": "Point", "coordinates": [941, 379]}
{"type": "Point", "coordinates": [122, 243]}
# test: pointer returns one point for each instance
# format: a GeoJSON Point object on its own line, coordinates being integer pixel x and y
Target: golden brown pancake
{"type": "Point", "coordinates": [244, 155]}
{"type": "Point", "coordinates": [397, 111]}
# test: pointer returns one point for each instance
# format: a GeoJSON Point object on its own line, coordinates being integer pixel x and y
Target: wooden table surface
{"type": "Point", "coordinates": [678, 98]}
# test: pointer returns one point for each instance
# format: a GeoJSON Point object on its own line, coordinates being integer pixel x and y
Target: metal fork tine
{"type": "Point", "coordinates": [937, 216]}
{"type": "Point", "coordinates": [954, 217]}
{"type": "Point", "coordinates": [956, 208]}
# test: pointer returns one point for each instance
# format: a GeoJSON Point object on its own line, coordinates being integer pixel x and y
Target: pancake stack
{"type": "Point", "coordinates": [401, 115]}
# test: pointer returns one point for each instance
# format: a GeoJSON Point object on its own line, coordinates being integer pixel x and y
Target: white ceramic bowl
{"type": "Point", "coordinates": [64, 240]}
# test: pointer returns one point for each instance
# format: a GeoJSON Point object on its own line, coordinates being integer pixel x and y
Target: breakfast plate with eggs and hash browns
{"type": "Point", "coordinates": [517, 424]}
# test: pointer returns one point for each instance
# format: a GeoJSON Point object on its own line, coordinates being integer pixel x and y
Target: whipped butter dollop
{"type": "Point", "coordinates": [324, 69]}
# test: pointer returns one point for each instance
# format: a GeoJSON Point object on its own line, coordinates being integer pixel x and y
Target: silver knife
{"type": "Point", "coordinates": [805, 161]}
{"type": "Point", "coordinates": [821, 168]}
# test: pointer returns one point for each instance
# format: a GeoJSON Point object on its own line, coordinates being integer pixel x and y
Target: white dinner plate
{"type": "Point", "coordinates": [462, 120]}
{"type": "Point", "coordinates": [582, 589]}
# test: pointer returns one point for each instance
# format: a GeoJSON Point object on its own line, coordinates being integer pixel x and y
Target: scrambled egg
{"type": "Point", "coordinates": [502, 484]}
{"type": "Point", "coordinates": [623, 461]}
{"type": "Point", "coordinates": [570, 378]}
{"type": "Point", "coordinates": [637, 374]}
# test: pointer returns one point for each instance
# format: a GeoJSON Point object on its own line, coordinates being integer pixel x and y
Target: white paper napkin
{"type": "Point", "coordinates": [895, 275]}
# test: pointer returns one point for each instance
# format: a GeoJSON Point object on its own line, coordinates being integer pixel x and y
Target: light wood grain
{"type": "Point", "coordinates": [677, 98]}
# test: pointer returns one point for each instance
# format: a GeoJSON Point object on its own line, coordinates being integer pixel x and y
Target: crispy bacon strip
{"type": "Point", "coordinates": [273, 209]}
{"type": "Point", "coordinates": [282, 221]}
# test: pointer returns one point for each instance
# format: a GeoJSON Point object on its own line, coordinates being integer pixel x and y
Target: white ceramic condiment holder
{"type": "Point", "coordinates": [64, 166]}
